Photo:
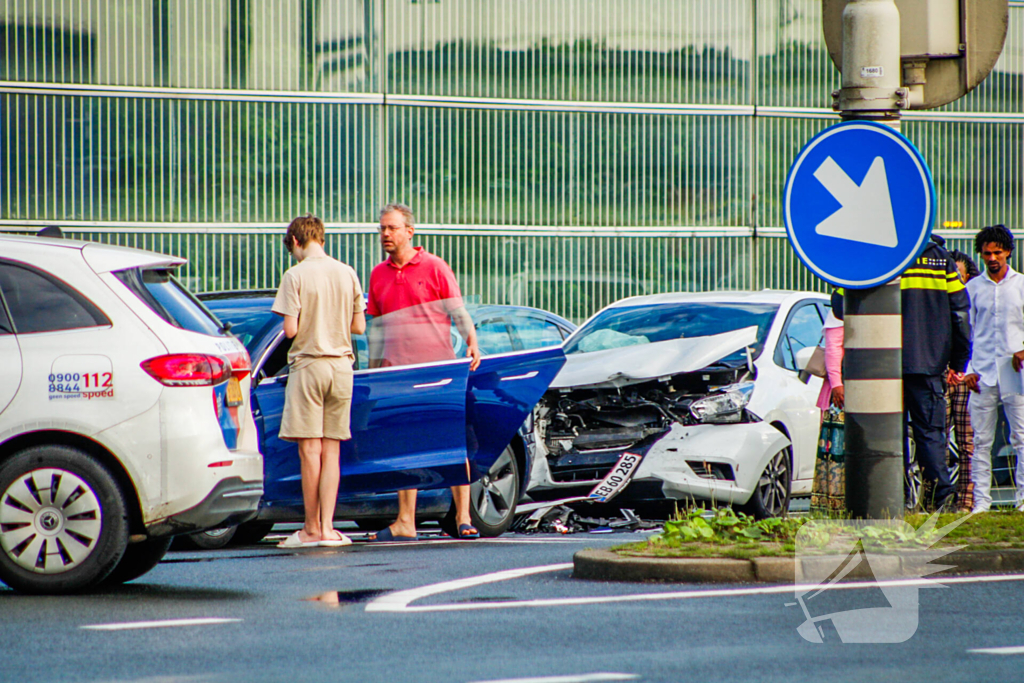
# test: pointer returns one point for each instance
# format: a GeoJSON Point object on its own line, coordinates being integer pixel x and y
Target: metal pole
{"type": "Point", "coordinates": [873, 336]}
{"type": "Point", "coordinates": [873, 383]}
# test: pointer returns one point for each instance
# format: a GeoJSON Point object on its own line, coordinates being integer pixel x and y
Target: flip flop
{"type": "Point", "coordinates": [335, 542]}
{"type": "Point", "coordinates": [294, 541]}
{"type": "Point", "coordinates": [386, 536]}
{"type": "Point", "coordinates": [466, 531]}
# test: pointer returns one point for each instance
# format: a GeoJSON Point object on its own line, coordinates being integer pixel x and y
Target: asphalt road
{"type": "Point", "coordinates": [337, 615]}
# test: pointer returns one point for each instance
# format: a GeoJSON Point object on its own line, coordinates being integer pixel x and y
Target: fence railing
{"type": "Point", "coordinates": [573, 274]}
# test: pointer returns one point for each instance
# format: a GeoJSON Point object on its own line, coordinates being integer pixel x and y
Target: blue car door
{"type": "Point", "coordinates": [408, 431]}
{"type": "Point", "coordinates": [282, 483]}
{"type": "Point", "coordinates": [502, 392]}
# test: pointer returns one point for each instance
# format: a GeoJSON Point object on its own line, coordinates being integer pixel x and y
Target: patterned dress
{"type": "Point", "coordinates": [958, 417]}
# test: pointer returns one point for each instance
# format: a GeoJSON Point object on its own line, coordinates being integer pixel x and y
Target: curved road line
{"type": "Point", "coordinates": [399, 600]}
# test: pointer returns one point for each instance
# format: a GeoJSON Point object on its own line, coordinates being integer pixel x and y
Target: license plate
{"type": "Point", "coordinates": [234, 396]}
{"type": "Point", "coordinates": [616, 479]}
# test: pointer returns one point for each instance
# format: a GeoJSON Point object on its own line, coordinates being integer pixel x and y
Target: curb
{"type": "Point", "coordinates": [604, 565]}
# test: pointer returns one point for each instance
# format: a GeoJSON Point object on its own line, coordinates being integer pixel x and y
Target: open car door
{"type": "Point", "coordinates": [502, 392]}
{"type": "Point", "coordinates": [408, 431]}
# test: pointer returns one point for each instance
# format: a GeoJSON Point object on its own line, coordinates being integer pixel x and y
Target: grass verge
{"type": "Point", "coordinates": [724, 533]}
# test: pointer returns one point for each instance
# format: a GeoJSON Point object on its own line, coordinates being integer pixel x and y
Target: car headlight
{"type": "Point", "coordinates": [726, 406]}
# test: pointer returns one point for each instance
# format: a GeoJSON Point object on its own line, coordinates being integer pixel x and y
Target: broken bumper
{"type": "Point", "coordinates": [720, 463]}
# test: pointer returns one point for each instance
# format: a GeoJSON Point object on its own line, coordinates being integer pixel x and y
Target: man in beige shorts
{"type": "Point", "coordinates": [321, 301]}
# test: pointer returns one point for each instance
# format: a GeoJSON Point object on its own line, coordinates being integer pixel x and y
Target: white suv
{"type": "Point", "coordinates": [124, 415]}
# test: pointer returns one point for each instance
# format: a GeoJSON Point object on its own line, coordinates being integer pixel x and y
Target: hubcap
{"type": "Point", "coordinates": [494, 494]}
{"type": "Point", "coordinates": [50, 521]}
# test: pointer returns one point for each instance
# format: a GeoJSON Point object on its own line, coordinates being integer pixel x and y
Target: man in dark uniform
{"type": "Point", "coordinates": [936, 348]}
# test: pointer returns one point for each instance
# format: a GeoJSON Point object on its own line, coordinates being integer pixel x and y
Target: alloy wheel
{"type": "Point", "coordinates": [773, 485]}
{"type": "Point", "coordinates": [495, 493]}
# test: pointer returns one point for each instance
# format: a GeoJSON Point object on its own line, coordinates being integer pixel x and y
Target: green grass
{"type": "Point", "coordinates": [987, 531]}
{"type": "Point", "coordinates": [700, 533]}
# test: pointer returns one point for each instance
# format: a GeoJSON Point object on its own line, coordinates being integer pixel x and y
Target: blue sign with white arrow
{"type": "Point", "coordinates": [859, 204]}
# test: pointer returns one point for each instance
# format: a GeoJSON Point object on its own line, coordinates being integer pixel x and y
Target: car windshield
{"type": "Point", "coordinates": [632, 325]}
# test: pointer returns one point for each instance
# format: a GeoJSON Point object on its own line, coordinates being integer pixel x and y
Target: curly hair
{"type": "Point", "coordinates": [998, 234]}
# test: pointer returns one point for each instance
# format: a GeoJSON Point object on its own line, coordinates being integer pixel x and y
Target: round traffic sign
{"type": "Point", "coordinates": [859, 204]}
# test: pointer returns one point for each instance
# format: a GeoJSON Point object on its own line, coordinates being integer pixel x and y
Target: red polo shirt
{"type": "Point", "coordinates": [414, 303]}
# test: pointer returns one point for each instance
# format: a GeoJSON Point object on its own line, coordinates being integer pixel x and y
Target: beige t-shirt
{"type": "Point", "coordinates": [324, 294]}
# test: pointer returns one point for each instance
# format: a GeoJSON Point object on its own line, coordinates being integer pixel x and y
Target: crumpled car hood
{"type": "Point", "coordinates": [630, 364]}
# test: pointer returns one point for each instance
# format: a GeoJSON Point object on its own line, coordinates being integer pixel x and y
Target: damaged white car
{"type": "Point", "coordinates": [684, 397]}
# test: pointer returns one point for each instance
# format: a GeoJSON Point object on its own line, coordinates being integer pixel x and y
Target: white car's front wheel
{"type": "Point", "coordinates": [771, 495]}
{"type": "Point", "coordinates": [63, 521]}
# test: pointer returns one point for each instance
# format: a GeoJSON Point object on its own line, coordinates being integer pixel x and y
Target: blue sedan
{"type": "Point", "coordinates": [412, 427]}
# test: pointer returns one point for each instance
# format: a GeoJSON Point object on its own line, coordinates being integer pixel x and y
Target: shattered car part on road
{"type": "Point", "coordinates": [561, 519]}
{"type": "Point", "coordinates": [704, 389]}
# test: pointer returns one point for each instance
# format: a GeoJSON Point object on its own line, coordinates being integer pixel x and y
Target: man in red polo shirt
{"type": "Point", "coordinates": [413, 295]}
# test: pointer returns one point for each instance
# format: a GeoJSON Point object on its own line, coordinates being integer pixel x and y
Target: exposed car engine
{"type": "Point", "coordinates": [588, 427]}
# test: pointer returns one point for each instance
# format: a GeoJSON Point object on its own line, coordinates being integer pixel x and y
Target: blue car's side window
{"type": "Point", "coordinates": [493, 337]}
{"type": "Point", "coordinates": [535, 333]}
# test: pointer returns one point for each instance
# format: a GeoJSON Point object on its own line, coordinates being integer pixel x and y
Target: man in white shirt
{"type": "Point", "coordinates": [994, 373]}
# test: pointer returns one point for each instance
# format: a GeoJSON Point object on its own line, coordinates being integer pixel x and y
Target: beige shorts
{"type": "Point", "coordinates": [318, 401]}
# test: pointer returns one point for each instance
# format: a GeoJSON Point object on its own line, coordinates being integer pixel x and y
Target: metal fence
{"type": "Point", "coordinates": [572, 275]}
{"type": "Point", "coordinates": [559, 153]}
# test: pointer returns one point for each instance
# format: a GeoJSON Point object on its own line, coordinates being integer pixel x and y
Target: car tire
{"type": "Point", "coordinates": [492, 498]}
{"type": "Point", "coordinates": [138, 559]}
{"type": "Point", "coordinates": [210, 539]}
{"type": "Point", "coordinates": [251, 533]}
{"type": "Point", "coordinates": [771, 494]}
{"type": "Point", "coordinates": [65, 541]}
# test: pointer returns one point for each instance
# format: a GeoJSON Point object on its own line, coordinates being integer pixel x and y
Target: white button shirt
{"type": "Point", "coordinates": [997, 322]}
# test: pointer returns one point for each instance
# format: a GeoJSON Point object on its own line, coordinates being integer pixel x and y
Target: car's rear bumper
{"type": "Point", "coordinates": [232, 501]}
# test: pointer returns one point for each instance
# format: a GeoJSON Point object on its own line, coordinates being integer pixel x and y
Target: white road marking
{"type": "Point", "coordinates": [1013, 650]}
{"type": "Point", "coordinates": [166, 623]}
{"type": "Point", "coordinates": [574, 678]}
{"type": "Point", "coordinates": [399, 600]}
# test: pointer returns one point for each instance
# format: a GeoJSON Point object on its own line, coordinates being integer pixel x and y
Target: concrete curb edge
{"type": "Point", "coordinates": [605, 565]}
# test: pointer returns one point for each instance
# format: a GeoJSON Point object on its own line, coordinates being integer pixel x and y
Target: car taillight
{"type": "Point", "coordinates": [188, 369]}
{"type": "Point", "coordinates": [240, 364]}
